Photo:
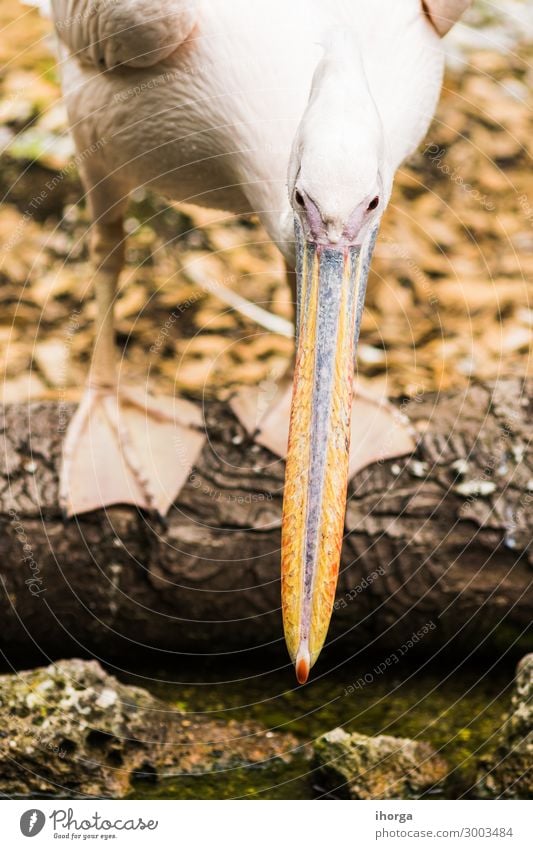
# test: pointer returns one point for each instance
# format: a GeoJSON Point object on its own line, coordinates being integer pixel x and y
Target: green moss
{"type": "Point", "coordinates": [279, 781]}
{"type": "Point", "coordinates": [457, 712]}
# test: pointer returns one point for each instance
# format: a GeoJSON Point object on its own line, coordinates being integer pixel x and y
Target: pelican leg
{"type": "Point", "coordinates": [123, 446]}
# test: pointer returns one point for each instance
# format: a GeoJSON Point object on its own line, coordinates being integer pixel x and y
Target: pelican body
{"type": "Point", "coordinates": [300, 112]}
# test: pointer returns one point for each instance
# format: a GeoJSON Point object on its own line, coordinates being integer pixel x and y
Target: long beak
{"type": "Point", "coordinates": [331, 292]}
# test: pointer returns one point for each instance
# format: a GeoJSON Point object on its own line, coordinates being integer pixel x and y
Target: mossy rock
{"type": "Point", "coordinates": [354, 766]}
{"type": "Point", "coordinates": [508, 773]}
{"type": "Point", "coordinates": [72, 729]}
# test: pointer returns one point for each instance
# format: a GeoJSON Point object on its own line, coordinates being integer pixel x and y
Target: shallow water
{"type": "Point", "coordinates": [457, 710]}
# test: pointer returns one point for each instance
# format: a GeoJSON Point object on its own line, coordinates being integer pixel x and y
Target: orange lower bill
{"type": "Point", "coordinates": [331, 293]}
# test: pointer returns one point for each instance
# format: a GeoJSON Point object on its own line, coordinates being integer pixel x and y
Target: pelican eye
{"type": "Point", "coordinates": [298, 197]}
{"type": "Point", "coordinates": [373, 204]}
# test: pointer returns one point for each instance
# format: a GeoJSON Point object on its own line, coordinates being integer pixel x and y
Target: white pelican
{"type": "Point", "coordinates": [300, 111]}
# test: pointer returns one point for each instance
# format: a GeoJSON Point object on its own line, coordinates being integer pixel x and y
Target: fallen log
{"type": "Point", "coordinates": [438, 542]}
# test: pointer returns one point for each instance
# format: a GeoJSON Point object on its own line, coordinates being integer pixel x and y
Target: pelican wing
{"type": "Point", "coordinates": [443, 14]}
{"type": "Point", "coordinates": [108, 33]}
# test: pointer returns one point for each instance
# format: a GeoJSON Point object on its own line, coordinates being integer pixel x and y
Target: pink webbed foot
{"type": "Point", "coordinates": [378, 430]}
{"type": "Point", "coordinates": [123, 447]}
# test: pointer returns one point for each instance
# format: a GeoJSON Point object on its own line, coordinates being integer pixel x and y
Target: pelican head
{"type": "Point", "coordinates": [339, 184]}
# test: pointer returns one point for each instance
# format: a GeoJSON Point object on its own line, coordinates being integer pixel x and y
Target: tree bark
{"type": "Point", "coordinates": [442, 537]}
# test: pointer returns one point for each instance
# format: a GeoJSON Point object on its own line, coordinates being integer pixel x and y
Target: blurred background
{"type": "Point", "coordinates": [449, 298]}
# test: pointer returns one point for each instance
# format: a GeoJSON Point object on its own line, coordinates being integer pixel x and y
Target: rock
{"type": "Point", "coordinates": [355, 766]}
{"type": "Point", "coordinates": [72, 729]}
{"type": "Point", "coordinates": [508, 773]}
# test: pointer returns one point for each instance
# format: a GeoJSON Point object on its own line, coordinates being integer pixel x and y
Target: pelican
{"type": "Point", "coordinates": [298, 111]}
